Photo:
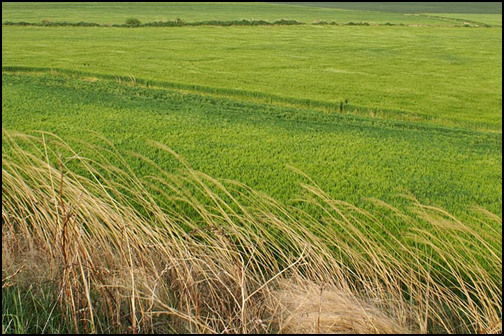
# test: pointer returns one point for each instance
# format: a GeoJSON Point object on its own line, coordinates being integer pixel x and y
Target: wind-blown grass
{"type": "Point", "coordinates": [216, 256]}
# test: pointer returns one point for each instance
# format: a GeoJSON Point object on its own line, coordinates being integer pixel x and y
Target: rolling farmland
{"type": "Point", "coordinates": [326, 114]}
{"type": "Point", "coordinates": [255, 144]}
{"type": "Point", "coordinates": [426, 79]}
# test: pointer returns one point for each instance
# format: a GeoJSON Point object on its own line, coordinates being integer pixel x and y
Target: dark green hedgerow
{"type": "Point", "coordinates": [134, 22]}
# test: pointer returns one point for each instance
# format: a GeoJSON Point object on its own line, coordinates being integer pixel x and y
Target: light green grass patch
{"type": "Point", "coordinates": [451, 75]}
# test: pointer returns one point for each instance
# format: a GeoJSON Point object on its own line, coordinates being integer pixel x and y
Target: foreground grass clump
{"type": "Point", "coordinates": [186, 253]}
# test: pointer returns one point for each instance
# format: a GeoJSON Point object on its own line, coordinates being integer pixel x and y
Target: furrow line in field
{"type": "Point", "coordinates": [340, 107]}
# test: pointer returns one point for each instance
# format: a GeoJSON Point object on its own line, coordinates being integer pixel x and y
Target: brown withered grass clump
{"type": "Point", "coordinates": [317, 309]}
{"type": "Point", "coordinates": [186, 253]}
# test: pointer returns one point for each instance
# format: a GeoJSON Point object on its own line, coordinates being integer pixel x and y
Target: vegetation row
{"type": "Point", "coordinates": [134, 22]}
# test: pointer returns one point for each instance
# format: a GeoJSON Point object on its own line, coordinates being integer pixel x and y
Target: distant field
{"type": "Point", "coordinates": [442, 75]}
{"type": "Point", "coordinates": [492, 19]}
{"type": "Point", "coordinates": [412, 7]}
{"type": "Point", "coordinates": [113, 12]}
{"type": "Point", "coordinates": [352, 157]}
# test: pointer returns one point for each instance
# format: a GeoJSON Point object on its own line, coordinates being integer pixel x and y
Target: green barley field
{"type": "Point", "coordinates": [385, 109]}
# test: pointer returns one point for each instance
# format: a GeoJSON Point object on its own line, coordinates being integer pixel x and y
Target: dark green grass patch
{"type": "Point", "coordinates": [134, 22]}
{"type": "Point", "coordinates": [32, 309]}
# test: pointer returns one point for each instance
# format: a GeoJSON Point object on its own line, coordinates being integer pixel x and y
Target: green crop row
{"type": "Point", "coordinates": [134, 23]}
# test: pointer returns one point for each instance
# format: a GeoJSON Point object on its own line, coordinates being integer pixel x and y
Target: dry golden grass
{"type": "Point", "coordinates": [218, 257]}
{"type": "Point", "coordinates": [314, 309]}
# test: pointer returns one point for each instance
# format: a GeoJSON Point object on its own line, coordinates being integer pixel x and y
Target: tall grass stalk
{"type": "Point", "coordinates": [188, 253]}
